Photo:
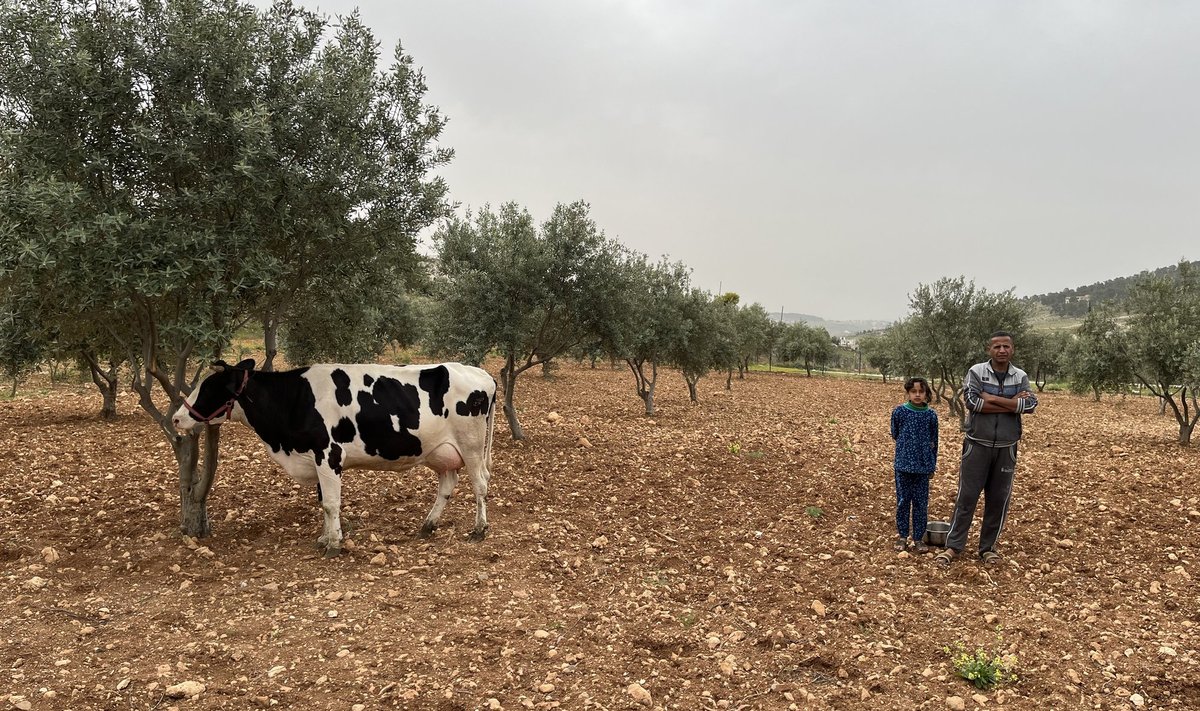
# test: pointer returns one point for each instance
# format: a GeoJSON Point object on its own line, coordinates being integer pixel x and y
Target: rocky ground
{"type": "Point", "coordinates": [733, 554]}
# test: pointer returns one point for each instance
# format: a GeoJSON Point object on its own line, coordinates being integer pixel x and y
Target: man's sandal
{"type": "Point", "coordinates": [990, 558]}
{"type": "Point", "coordinates": [945, 558]}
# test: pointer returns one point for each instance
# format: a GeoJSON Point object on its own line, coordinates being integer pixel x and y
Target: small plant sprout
{"type": "Point", "coordinates": [735, 448]}
{"type": "Point", "coordinates": [985, 668]}
{"type": "Point", "coordinates": [814, 512]}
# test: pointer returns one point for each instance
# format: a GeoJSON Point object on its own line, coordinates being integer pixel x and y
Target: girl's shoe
{"type": "Point", "coordinates": [920, 547]}
{"type": "Point", "coordinates": [900, 544]}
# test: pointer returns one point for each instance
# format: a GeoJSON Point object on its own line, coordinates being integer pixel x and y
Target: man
{"type": "Point", "coordinates": [996, 394]}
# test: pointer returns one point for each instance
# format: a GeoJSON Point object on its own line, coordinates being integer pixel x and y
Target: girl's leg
{"type": "Point", "coordinates": [920, 512]}
{"type": "Point", "coordinates": [903, 505]}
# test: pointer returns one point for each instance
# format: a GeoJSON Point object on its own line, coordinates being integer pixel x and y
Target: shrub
{"type": "Point", "coordinates": [986, 669]}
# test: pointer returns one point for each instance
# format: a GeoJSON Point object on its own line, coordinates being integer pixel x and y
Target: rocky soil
{"type": "Point", "coordinates": [734, 554]}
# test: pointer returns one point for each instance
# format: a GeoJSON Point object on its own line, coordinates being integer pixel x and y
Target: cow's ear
{"type": "Point", "coordinates": [247, 364]}
{"type": "Point", "coordinates": [218, 366]}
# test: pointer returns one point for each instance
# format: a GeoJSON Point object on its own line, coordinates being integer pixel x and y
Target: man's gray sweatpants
{"type": "Point", "coordinates": [986, 470]}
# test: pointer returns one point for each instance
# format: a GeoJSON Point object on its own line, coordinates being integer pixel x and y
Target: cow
{"type": "Point", "coordinates": [323, 419]}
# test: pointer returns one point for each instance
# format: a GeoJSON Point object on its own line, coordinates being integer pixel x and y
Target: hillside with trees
{"type": "Point", "coordinates": [1077, 301]}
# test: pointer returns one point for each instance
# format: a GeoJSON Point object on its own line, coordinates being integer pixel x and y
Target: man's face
{"type": "Point", "coordinates": [1000, 349]}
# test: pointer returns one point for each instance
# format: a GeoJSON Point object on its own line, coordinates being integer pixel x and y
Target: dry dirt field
{"type": "Point", "coordinates": [682, 554]}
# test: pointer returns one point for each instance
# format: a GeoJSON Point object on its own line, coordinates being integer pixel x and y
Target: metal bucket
{"type": "Point", "coordinates": [936, 532]}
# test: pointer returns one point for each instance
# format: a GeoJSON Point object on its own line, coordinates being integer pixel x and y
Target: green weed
{"type": "Point", "coordinates": [985, 668]}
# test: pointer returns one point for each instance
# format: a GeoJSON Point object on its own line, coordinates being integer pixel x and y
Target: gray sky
{"type": "Point", "coordinates": [826, 157]}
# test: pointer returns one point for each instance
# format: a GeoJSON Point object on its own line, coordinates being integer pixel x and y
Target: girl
{"type": "Point", "coordinates": [915, 429]}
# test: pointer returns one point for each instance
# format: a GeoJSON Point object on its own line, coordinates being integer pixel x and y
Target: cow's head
{"type": "Point", "coordinates": [215, 397]}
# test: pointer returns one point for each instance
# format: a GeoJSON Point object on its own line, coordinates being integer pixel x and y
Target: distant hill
{"type": "Point", "coordinates": [836, 328]}
{"type": "Point", "coordinates": [1075, 302]}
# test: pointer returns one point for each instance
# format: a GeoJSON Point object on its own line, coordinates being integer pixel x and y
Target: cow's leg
{"type": "Point", "coordinates": [330, 483]}
{"type": "Point", "coordinates": [446, 483]}
{"type": "Point", "coordinates": [478, 472]}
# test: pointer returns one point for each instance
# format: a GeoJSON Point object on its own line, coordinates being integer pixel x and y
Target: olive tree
{"type": "Point", "coordinates": [528, 294]}
{"type": "Point", "coordinates": [707, 339]}
{"type": "Point", "coordinates": [647, 324]}
{"type": "Point", "coordinates": [948, 327]}
{"type": "Point", "coordinates": [752, 328]}
{"type": "Point", "coordinates": [145, 170]}
{"type": "Point", "coordinates": [810, 345]}
{"type": "Point", "coordinates": [1096, 357]}
{"type": "Point", "coordinates": [1164, 342]}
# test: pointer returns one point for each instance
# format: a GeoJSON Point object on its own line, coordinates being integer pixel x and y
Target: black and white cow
{"type": "Point", "coordinates": [320, 420]}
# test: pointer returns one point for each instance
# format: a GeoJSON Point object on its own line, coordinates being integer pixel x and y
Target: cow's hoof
{"type": "Point", "coordinates": [426, 531]}
{"type": "Point", "coordinates": [477, 535]}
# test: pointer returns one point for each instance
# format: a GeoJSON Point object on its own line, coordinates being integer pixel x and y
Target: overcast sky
{"type": "Point", "coordinates": [826, 157]}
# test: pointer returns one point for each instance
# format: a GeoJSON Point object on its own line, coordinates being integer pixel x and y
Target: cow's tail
{"type": "Point", "coordinates": [491, 428]}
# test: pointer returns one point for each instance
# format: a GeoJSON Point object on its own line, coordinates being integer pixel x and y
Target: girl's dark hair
{"type": "Point", "coordinates": [912, 383]}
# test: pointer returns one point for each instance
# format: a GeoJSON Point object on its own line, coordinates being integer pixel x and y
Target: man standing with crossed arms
{"type": "Point", "coordinates": [996, 393]}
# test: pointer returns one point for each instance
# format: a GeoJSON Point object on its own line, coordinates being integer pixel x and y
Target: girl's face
{"type": "Point", "coordinates": [917, 395]}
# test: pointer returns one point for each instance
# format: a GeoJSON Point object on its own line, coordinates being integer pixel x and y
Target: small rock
{"type": "Point", "coordinates": [1074, 676]}
{"type": "Point", "coordinates": [185, 690]}
{"type": "Point", "coordinates": [818, 607]}
{"type": "Point", "coordinates": [49, 555]}
{"type": "Point", "coordinates": [979, 699]}
{"type": "Point", "coordinates": [553, 417]}
{"type": "Point", "coordinates": [1167, 651]}
{"type": "Point", "coordinates": [275, 671]}
{"type": "Point", "coordinates": [639, 694]}
{"type": "Point", "coordinates": [600, 542]}
{"type": "Point", "coordinates": [1065, 543]}
{"type": "Point", "coordinates": [546, 688]}
{"type": "Point", "coordinates": [358, 707]}
{"type": "Point", "coordinates": [20, 702]}
{"type": "Point", "coordinates": [955, 703]}
{"type": "Point", "coordinates": [379, 559]}
{"type": "Point", "coordinates": [36, 583]}
{"type": "Point", "coordinates": [123, 684]}
{"type": "Point", "coordinates": [541, 634]}
{"type": "Point", "coordinates": [583, 442]}
{"type": "Point", "coordinates": [727, 665]}
{"type": "Point", "coordinates": [1137, 700]}
{"type": "Point", "coordinates": [494, 704]}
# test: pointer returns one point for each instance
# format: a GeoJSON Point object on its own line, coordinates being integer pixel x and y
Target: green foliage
{"type": "Point", "coordinates": [810, 345]}
{"type": "Point", "coordinates": [708, 339]}
{"type": "Point", "coordinates": [1164, 342]}
{"type": "Point", "coordinates": [1080, 301]}
{"type": "Point", "coordinates": [814, 512]}
{"type": "Point", "coordinates": [648, 325]}
{"type": "Point", "coordinates": [530, 294]}
{"type": "Point", "coordinates": [879, 351]}
{"type": "Point", "coordinates": [752, 331]}
{"type": "Point", "coordinates": [986, 669]}
{"type": "Point", "coordinates": [1044, 355]}
{"type": "Point", "coordinates": [1096, 358]}
{"type": "Point", "coordinates": [948, 328]}
{"type": "Point", "coordinates": [171, 170]}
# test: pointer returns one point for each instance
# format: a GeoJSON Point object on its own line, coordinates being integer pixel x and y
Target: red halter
{"type": "Point", "coordinates": [224, 408]}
